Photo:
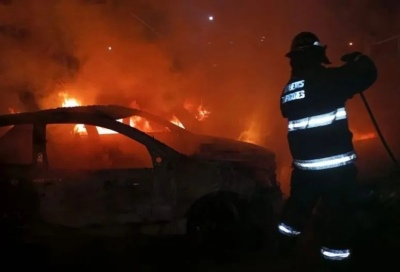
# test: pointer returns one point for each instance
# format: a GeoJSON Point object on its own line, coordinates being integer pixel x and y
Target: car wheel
{"type": "Point", "coordinates": [213, 224]}
{"type": "Point", "coordinates": [259, 222]}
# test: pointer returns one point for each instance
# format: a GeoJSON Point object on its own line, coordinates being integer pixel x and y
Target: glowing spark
{"type": "Point", "coordinates": [350, 43]}
{"type": "Point", "coordinates": [211, 18]}
{"type": "Point", "coordinates": [109, 48]}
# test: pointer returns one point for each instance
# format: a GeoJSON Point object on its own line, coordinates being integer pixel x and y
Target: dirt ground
{"type": "Point", "coordinates": [173, 254]}
{"type": "Point", "coordinates": [168, 253]}
{"type": "Point", "coordinates": [375, 249]}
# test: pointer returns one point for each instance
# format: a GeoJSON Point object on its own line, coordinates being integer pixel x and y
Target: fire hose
{"type": "Point", "coordinates": [378, 130]}
{"type": "Point", "coordinates": [350, 57]}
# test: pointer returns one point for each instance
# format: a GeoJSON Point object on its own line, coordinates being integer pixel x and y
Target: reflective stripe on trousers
{"type": "Point", "coordinates": [287, 230]}
{"type": "Point", "coordinates": [318, 120]}
{"type": "Point", "coordinates": [327, 162]}
{"type": "Point", "coordinates": [335, 254]}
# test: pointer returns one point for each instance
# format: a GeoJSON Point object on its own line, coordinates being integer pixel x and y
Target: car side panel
{"type": "Point", "coordinates": [106, 197]}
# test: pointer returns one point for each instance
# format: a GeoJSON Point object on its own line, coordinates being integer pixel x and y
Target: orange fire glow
{"type": "Point", "coordinates": [252, 134]}
{"type": "Point", "coordinates": [135, 121]}
{"type": "Point", "coordinates": [12, 110]}
{"type": "Point", "coordinates": [364, 136]}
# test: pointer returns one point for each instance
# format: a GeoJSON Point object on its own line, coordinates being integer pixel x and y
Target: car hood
{"type": "Point", "coordinates": [217, 148]}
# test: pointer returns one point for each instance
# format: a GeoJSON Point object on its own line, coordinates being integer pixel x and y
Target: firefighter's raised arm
{"type": "Point", "coordinates": [355, 76]}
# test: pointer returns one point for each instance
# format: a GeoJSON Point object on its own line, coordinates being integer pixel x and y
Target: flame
{"type": "Point", "coordinates": [200, 112]}
{"type": "Point", "coordinates": [70, 102]}
{"type": "Point", "coordinates": [252, 134]}
{"type": "Point", "coordinates": [176, 121]}
{"type": "Point", "coordinates": [139, 122]}
{"type": "Point", "coordinates": [135, 121]}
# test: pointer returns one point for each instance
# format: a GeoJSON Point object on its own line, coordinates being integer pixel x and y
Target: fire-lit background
{"type": "Point", "coordinates": [221, 60]}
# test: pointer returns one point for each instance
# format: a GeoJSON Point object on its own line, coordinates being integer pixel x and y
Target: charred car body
{"type": "Point", "coordinates": [90, 167]}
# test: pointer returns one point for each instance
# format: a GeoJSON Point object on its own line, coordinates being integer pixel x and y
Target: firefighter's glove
{"type": "Point", "coordinates": [354, 56]}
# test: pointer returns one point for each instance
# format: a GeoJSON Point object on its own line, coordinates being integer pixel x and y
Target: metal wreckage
{"type": "Point", "coordinates": [87, 169]}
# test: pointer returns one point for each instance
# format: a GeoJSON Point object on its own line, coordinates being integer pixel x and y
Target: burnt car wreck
{"type": "Point", "coordinates": [89, 168]}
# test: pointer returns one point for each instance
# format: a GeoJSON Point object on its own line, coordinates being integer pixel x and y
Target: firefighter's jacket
{"type": "Point", "coordinates": [313, 101]}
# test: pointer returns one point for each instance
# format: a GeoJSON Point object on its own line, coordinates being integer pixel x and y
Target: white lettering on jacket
{"type": "Point", "coordinates": [295, 86]}
{"type": "Point", "coordinates": [294, 96]}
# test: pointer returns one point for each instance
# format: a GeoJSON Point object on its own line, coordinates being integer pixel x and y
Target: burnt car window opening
{"type": "Point", "coordinates": [144, 124]}
{"type": "Point", "coordinates": [170, 133]}
{"type": "Point", "coordinates": [16, 145]}
{"type": "Point", "coordinates": [78, 146]}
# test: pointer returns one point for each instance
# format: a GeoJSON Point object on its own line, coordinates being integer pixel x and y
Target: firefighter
{"type": "Point", "coordinates": [320, 142]}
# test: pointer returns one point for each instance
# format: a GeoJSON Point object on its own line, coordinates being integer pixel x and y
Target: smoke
{"type": "Point", "coordinates": [97, 50]}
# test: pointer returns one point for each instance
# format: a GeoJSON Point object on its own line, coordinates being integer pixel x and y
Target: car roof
{"type": "Point", "coordinates": [113, 112]}
{"type": "Point", "coordinates": [107, 111]}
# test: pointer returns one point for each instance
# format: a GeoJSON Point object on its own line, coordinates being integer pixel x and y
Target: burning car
{"type": "Point", "coordinates": [109, 167]}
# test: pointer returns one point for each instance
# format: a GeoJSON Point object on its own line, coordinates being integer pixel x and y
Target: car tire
{"type": "Point", "coordinates": [214, 224]}
{"type": "Point", "coordinates": [259, 222]}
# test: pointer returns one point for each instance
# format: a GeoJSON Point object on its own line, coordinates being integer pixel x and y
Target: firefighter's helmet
{"type": "Point", "coordinates": [306, 41]}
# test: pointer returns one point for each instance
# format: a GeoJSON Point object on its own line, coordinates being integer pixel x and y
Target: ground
{"type": "Point", "coordinates": [376, 250]}
{"type": "Point", "coordinates": [168, 253]}
{"type": "Point", "coordinates": [171, 253]}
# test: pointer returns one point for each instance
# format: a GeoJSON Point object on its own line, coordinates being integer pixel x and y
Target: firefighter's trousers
{"type": "Point", "coordinates": [334, 191]}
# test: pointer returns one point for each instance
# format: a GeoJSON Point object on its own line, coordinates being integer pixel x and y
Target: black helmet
{"type": "Point", "coordinates": [305, 41]}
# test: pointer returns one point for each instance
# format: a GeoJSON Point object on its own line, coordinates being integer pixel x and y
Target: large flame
{"type": "Point", "coordinates": [253, 133]}
{"type": "Point", "coordinates": [135, 121]}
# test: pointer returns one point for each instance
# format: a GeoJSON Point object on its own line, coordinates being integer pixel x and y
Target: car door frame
{"type": "Point", "coordinates": [163, 157]}
{"type": "Point", "coordinates": [16, 183]}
